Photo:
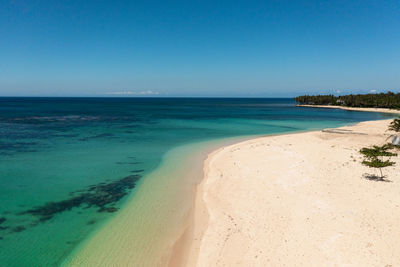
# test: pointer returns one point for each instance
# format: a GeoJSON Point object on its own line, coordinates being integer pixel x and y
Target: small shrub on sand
{"type": "Point", "coordinates": [372, 157]}
{"type": "Point", "coordinates": [395, 125]}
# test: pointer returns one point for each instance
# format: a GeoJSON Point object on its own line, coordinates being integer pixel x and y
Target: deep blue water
{"type": "Point", "coordinates": [69, 163]}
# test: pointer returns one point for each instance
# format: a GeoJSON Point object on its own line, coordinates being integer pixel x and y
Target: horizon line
{"type": "Point", "coordinates": [144, 97]}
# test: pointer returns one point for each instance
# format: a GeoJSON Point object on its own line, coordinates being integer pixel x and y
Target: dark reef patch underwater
{"type": "Point", "coordinates": [102, 196]}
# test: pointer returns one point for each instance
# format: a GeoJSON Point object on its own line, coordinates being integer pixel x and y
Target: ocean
{"type": "Point", "coordinates": [69, 167]}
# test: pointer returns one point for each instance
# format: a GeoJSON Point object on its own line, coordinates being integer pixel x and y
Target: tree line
{"type": "Point", "coordinates": [382, 100]}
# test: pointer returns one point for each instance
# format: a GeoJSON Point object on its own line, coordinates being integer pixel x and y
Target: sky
{"type": "Point", "coordinates": [198, 48]}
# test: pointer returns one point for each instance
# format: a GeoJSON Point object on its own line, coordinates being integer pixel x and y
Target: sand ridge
{"type": "Point", "coordinates": [381, 110]}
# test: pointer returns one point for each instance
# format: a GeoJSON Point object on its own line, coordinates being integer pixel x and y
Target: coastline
{"type": "Point", "coordinates": [316, 210]}
{"type": "Point", "coordinates": [128, 241]}
{"type": "Point", "coordinates": [186, 248]}
{"type": "Point", "coordinates": [105, 247]}
{"type": "Point", "coordinates": [381, 110]}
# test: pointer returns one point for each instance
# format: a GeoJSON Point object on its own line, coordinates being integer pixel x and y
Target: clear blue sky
{"type": "Point", "coordinates": [198, 48]}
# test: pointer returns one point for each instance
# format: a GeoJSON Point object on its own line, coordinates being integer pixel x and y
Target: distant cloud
{"type": "Point", "coordinates": [147, 92]}
{"type": "Point", "coordinates": [372, 91]}
{"type": "Point", "coordinates": [338, 91]}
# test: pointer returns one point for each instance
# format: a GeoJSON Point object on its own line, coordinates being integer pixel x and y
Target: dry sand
{"type": "Point", "coordinates": [298, 200]}
{"type": "Point", "coordinates": [381, 110]}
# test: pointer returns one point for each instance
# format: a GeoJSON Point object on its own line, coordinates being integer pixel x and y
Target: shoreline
{"type": "Point", "coordinates": [186, 249]}
{"type": "Point", "coordinates": [219, 237]}
{"type": "Point", "coordinates": [380, 110]}
{"type": "Point", "coordinates": [151, 244]}
{"type": "Point", "coordinates": [128, 240]}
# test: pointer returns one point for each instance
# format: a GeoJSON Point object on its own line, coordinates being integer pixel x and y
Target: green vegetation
{"type": "Point", "coordinates": [383, 100]}
{"type": "Point", "coordinates": [372, 157]}
{"type": "Point", "coordinates": [378, 151]}
{"type": "Point", "coordinates": [395, 125]}
{"type": "Point", "coordinates": [377, 163]}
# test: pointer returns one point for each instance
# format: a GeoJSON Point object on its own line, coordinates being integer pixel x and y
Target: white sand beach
{"type": "Point", "coordinates": [298, 200]}
{"type": "Point", "coordinates": [381, 110]}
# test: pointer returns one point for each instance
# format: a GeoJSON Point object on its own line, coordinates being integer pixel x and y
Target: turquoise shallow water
{"type": "Point", "coordinates": [68, 164]}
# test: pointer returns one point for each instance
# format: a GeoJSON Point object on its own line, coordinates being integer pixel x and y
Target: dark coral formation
{"type": "Point", "coordinates": [8, 148]}
{"type": "Point", "coordinates": [2, 220]}
{"type": "Point", "coordinates": [102, 196]}
{"type": "Point", "coordinates": [127, 163]}
{"type": "Point", "coordinates": [137, 171]}
{"type": "Point", "coordinates": [103, 135]}
{"type": "Point", "coordinates": [91, 222]}
{"type": "Point", "coordinates": [18, 229]}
